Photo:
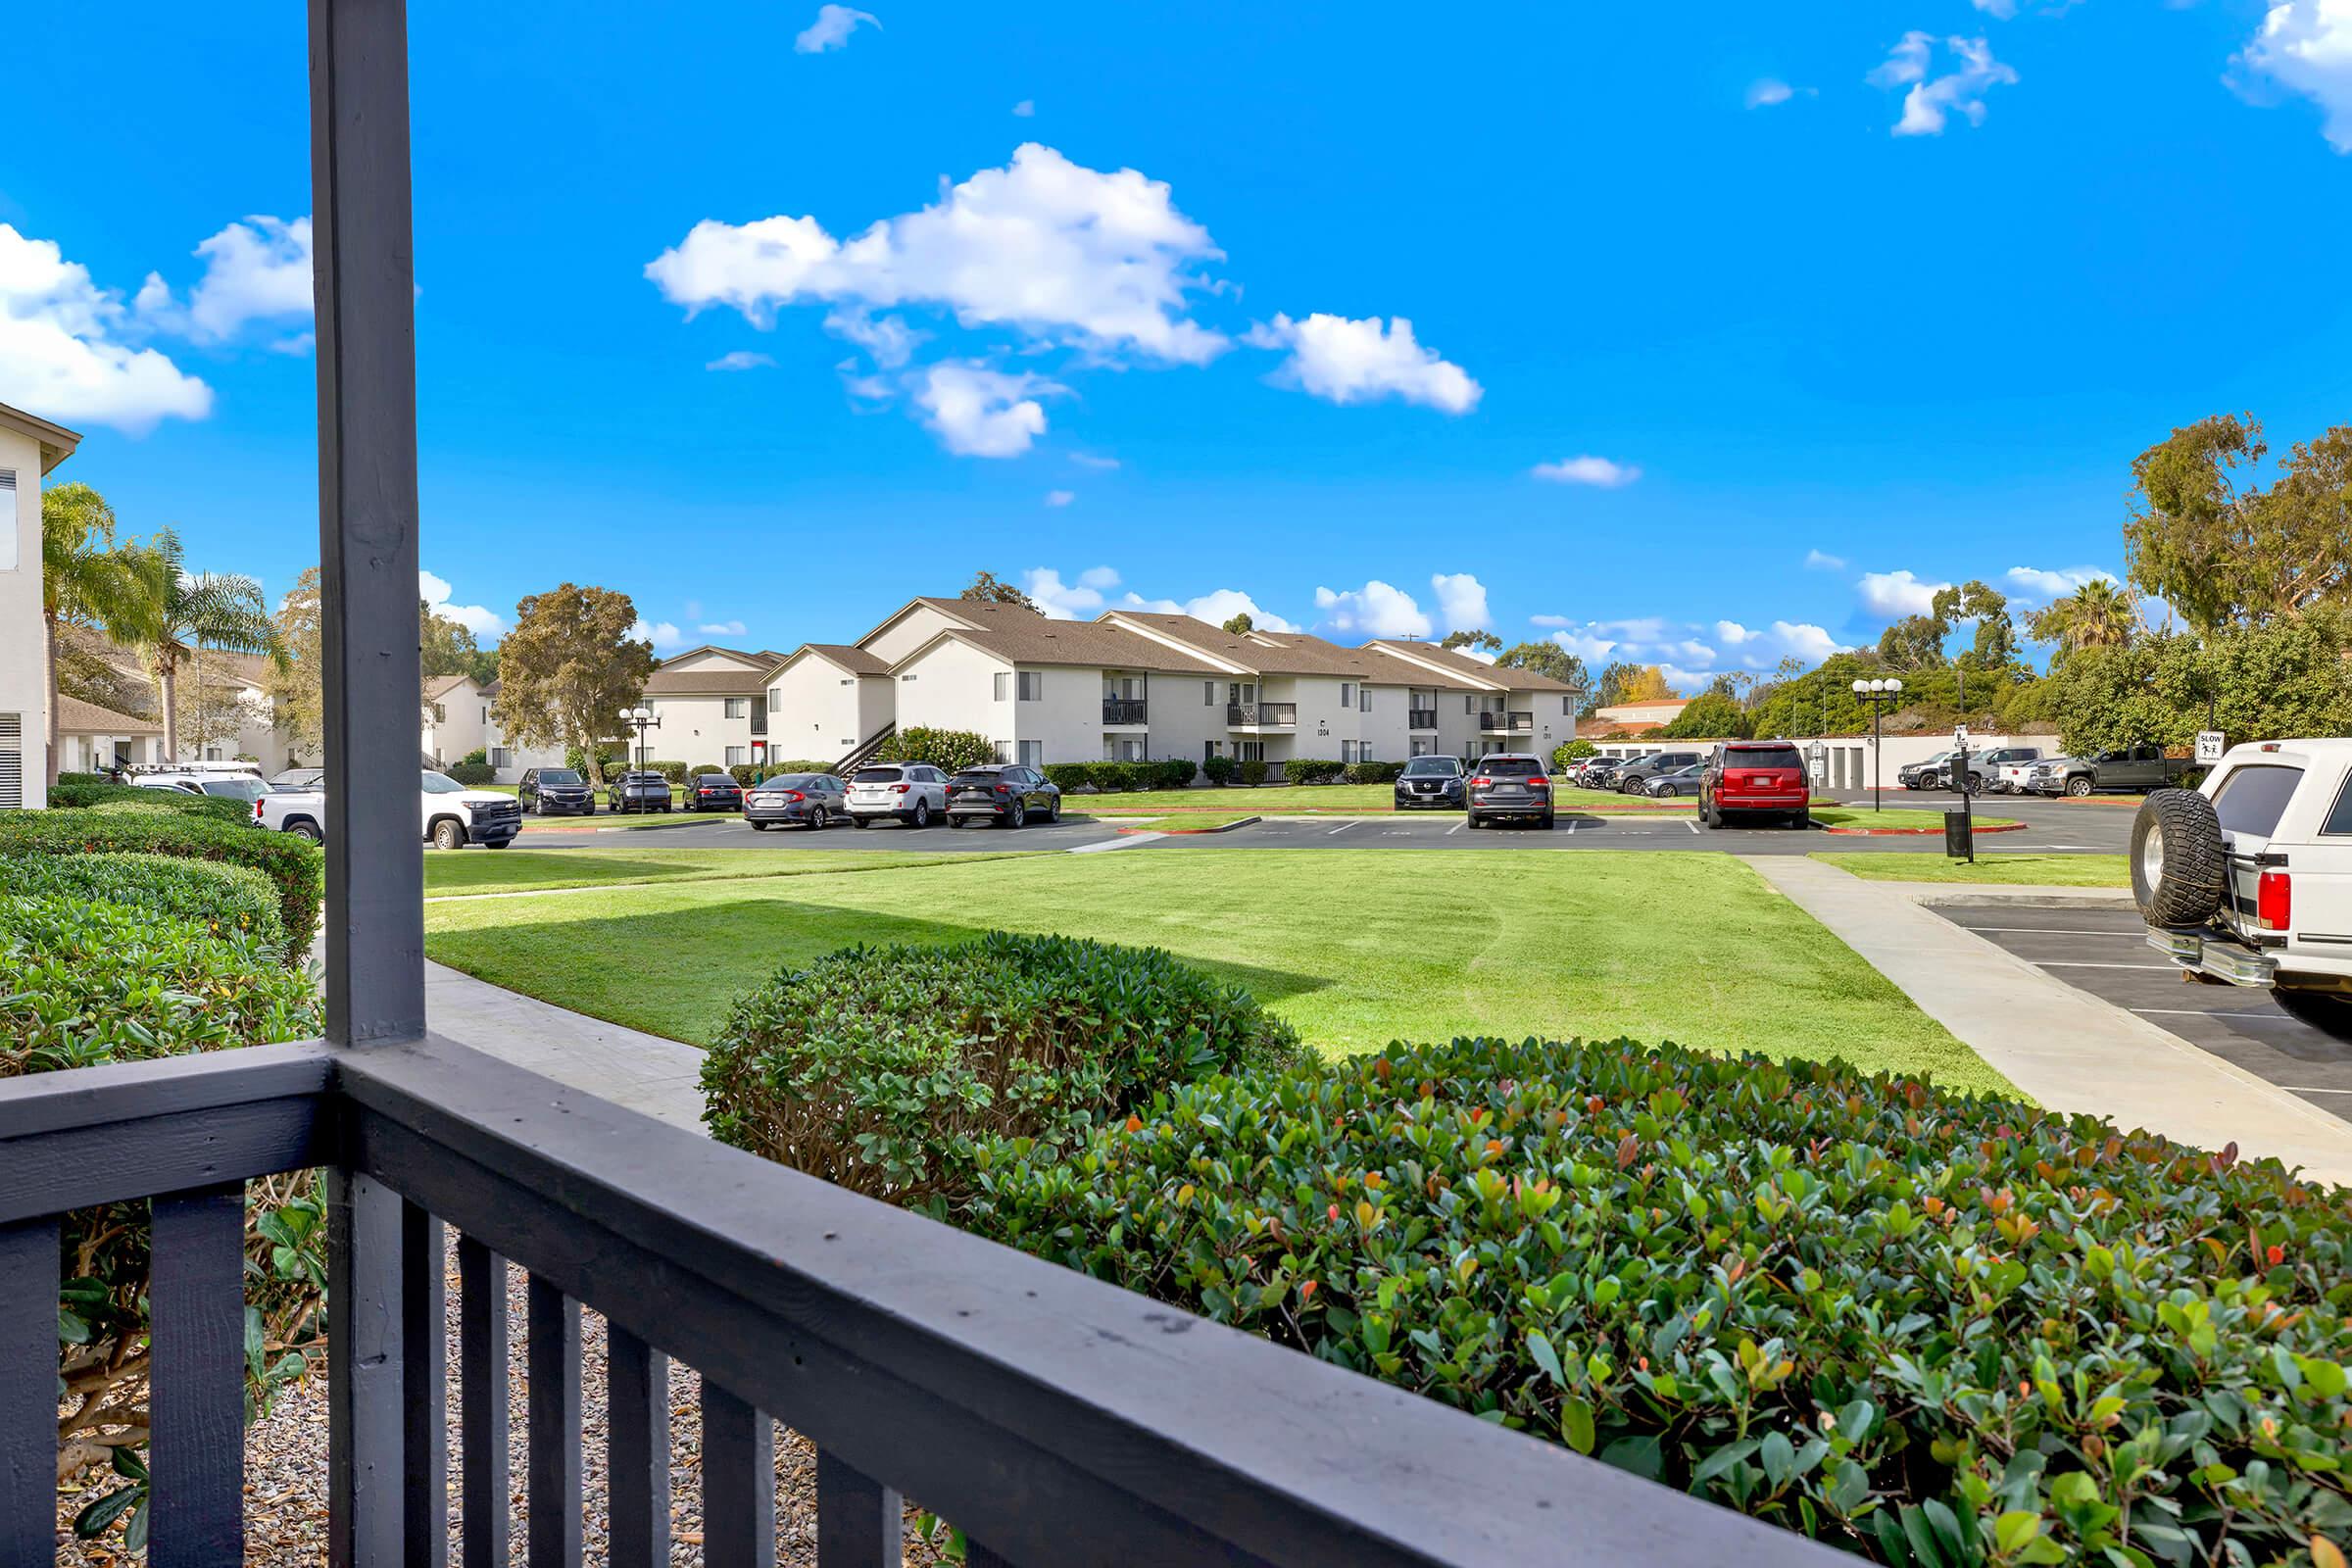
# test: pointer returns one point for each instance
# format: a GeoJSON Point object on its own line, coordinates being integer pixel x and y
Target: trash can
{"type": "Point", "coordinates": [1959, 836]}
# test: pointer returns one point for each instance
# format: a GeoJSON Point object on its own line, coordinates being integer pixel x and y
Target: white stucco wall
{"type": "Point", "coordinates": [24, 683]}
{"type": "Point", "coordinates": [818, 710]}
{"type": "Point", "coordinates": [903, 636]}
{"type": "Point", "coordinates": [696, 729]}
{"type": "Point", "coordinates": [951, 685]}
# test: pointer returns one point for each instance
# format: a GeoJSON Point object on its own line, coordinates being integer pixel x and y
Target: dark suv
{"type": "Point", "coordinates": [1509, 784]}
{"type": "Point", "coordinates": [1755, 778]}
{"type": "Point", "coordinates": [1005, 794]}
{"type": "Point", "coordinates": [1435, 781]}
{"type": "Point", "coordinates": [555, 791]}
{"type": "Point", "coordinates": [1635, 776]}
{"type": "Point", "coordinates": [640, 792]}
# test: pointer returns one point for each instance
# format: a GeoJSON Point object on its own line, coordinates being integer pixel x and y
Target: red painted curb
{"type": "Point", "coordinates": [1913, 832]}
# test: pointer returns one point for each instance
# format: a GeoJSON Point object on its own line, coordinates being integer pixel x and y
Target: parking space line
{"type": "Point", "coordinates": [2076, 963]}
{"type": "Point", "coordinates": [2053, 931]}
{"type": "Point", "coordinates": [1457, 827]}
{"type": "Point", "coordinates": [1693, 826]}
{"type": "Point", "coordinates": [2290, 1088]}
{"type": "Point", "coordinates": [2207, 1012]}
{"type": "Point", "coordinates": [1342, 828]}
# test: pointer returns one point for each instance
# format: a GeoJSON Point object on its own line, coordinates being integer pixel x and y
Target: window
{"type": "Point", "coordinates": [739, 708]}
{"type": "Point", "coordinates": [1349, 750]}
{"type": "Point", "coordinates": [1467, 700]}
{"type": "Point", "coordinates": [1363, 700]}
{"type": "Point", "coordinates": [8, 524]}
{"type": "Point", "coordinates": [1568, 706]}
{"type": "Point", "coordinates": [2251, 800]}
{"type": "Point", "coordinates": [2340, 815]}
{"type": "Point", "coordinates": [1033, 754]}
{"type": "Point", "coordinates": [500, 757]}
{"type": "Point", "coordinates": [1031, 685]}
{"type": "Point", "coordinates": [1003, 750]}
{"type": "Point", "coordinates": [1003, 684]}
{"type": "Point", "coordinates": [1347, 694]}
{"type": "Point", "coordinates": [737, 755]}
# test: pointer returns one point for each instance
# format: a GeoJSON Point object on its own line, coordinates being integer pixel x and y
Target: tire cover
{"type": "Point", "coordinates": [2188, 889]}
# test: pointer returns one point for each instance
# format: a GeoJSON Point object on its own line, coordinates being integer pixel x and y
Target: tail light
{"type": "Point", "coordinates": [2273, 902]}
{"type": "Point", "coordinates": [898, 789]}
{"type": "Point", "coordinates": [1003, 788]}
{"type": "Point", "coordinates": [1481, 781]}
{"type": "Point", "coordinates": [794, 795]}
{"type": "Point", "coordinates": [1538, 782]}
{"type": "Point", "coordinates": [256, 810]}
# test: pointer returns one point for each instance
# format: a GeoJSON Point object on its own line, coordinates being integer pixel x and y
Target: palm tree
{"type": "Point", "coordinates": [193, 610]}
{"type": "Point", "coordinates": [2097, 615]}
{"type": "Point", "coordinates": [86, 581]}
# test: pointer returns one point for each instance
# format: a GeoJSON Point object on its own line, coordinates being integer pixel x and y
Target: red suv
{"type": "Point", "coordinates": [1755, 776]}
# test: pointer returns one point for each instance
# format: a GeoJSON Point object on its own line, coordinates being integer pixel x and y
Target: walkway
{"type": "Point", "coordinates": [644, 1072]}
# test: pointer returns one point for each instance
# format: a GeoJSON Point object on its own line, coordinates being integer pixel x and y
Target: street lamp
{"type": "Point", "coordinates": [640, 719]}
{"type": "Point", "coordinates": [1880, 695]}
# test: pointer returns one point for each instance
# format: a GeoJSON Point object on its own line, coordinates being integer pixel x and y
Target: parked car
{"type": "Point", "coordinates": [298, 778]}
{"type": "Point", "coordinates": [913, 793]}
{"type": "Point", "coordinates": [1755, 778]}
{"type": "Point", "coordinates": [1634, 778]}
{"type": "Point", "coordinates": [2248, 877]}
{"type": "Point", "coordinates": [1506, 784]}
{"type": "Point", "coordinates": [639, 791]}
{"type": "Point", "coordinates": [1984, 768]}
{"type": "Point", "coordinates": [1007, 794]}
{"type": "Point", "coordinates": [1597, 773]}
{"type": "Point", "coordinates": [2048, 776]}
{"type": "Point", "coordinates": [1925, 775]}
{"type": "Point", "coordinates": [714, 791]}
{"type": "Point", "coordinates": [2127, 769]}
{"type": "Point", "coordinates": [223, 786]}
{"type": "Point", "coordinates": [1431, 781]}
{"type": "Point", "coordinates": [2011, 767]}
{"type": "Point", "coordinates": [453, 815]}
{"type": "Point", "coordinates": [811, 799]}
{"type": "Point", "coordinates": [553, 792]}
{"type": "Point", "coordinates": [1682, 781]}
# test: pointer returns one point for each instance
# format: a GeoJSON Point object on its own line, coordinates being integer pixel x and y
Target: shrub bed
{"type": "Point", "coordinates": [1069, 776]}
{"type": "Point", "coordinates": [1934, 1328]}
{"type": "Point", "coordinates": [950, 749]}
{"type": "Point", "coordinates": [1220, 769]}
{"type": "Point", "coordinates": [221, 898]}
{"type": "Point", "coordinates": [882, 1069]}
{"type": "Point", "coordinates": [88, 791]}
{"type": "Point", "coordinates": [1253, 770]}
{"type": "Point", "coordinates": [1371, 773]}
{"type": "Point", "coordinates": [1312, 769]}
{"type": "Point", "coordinates": [471, 773]}
{"type": "Point", "coordinates": [83, 983]}
{"type": "Point", "coordinates": [295, 867]}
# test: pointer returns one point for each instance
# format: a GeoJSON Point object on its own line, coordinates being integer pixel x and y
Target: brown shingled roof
{"type": "Point", "coordinates": [706, 683]}
{"type": "Point", "coordinates": [77, 717]}
{"type": "Point", "coordinates": [1455, 659]}
{"type": "Point", "coordinates": [1024, 638]}
{"type": "Point", "coordinates": [437, 687]}
{"type": "Point", "coordinates": [857, 661]}
{"type": "Point", "coordinates": [1286, 652]}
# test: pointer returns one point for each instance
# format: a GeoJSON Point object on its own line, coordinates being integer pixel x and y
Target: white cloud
{"type": "Point", "coordinates": [256, 271]}
{"type": "Point", "coordinates": [60, 352]}
{"type": "Point", "coordinates": [1823, 560]}
{"type": "Point", "coordinates": [741, 359]}
{"type": "Point", "coordinates": [722, 629]}
{"type": "Point", "coordinates": [1060, 498]}
{"type": "Point", "coordinates": [661, 634]}
{"type": "Point", "coordinates": [2032, 582]}
{"type": "Point", "coordinates": [1897, 593]}
{"type": "Point", "coordinates": [831, 30]}
{"type": "Point", "coordinates": [890, 340]}
{"type": "Point", "coordinates": [2002, 10]}
{"type": "Point", "coordinates": [1219, 606]}
{"type": "Point", "coordinates": [487, 625]}
{"type": "Point", "coordinates": [1087, 460]}
{"type": "Point", "coordinates": [1686, 652]}
{"type": "Point", "coordinates": [1375, 610]}
{"type": "Point", "coordinates": [1461, 601]}
{"type": "Point", "coordinates": [1072, 256]}
{"type": "Point", "coordinates": [2306, 47]}
{"type": "Point", "coordinates": [1731, 631]}
{"type": "Point", "coordinates": [1808, 642]}
{"type": "Point", "coordinates": [1099, 577]}
{"type": "Point", "coordinates": [980, 412]}
{"type": "Point", "coordinates": [1342, 360]}
{"type": "Point", "coordinates": [1932, 99]}
{"type": "Point", "coordinates": [1599, 472]}
{"type": "Point", "coordinates": [1068, 601]}
{"type": "Point", "coordinates": [1089, 595]}
{"type": "Point", "coordinates": [1026, 109]}
{"type": "Point", "coordinates": [1769, 92]}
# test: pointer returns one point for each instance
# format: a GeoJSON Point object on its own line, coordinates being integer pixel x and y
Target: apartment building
{"type": "Point", "coordinates": [30, 448]}
{"type": "Point", "coordinates": [1135, 685]}
{"type": "Point", "coordinates": [711, 704]}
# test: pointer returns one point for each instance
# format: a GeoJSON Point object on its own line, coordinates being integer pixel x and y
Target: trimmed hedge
{"type": "Point", "coordinates": [949, 748]}
{"type": "Point", "coordinates": [1934, 1329]}
{"type": "Point", "coordinates": [83, 791]}
{"type": "Point", "coordinates": [1253, 770]}
{"type": "Point", "coordinates": [219, 897]}
{"type": "Point", "coordinates": [1311, 769]}
{"type": "Point", "coordinates": [294, 866]}
{"type": "Point", "coordinates": [471, 773]}
{"type": "Point", "coordinates": [1070, 776]}
{"type": "Point", "coordinates": [676, 772]}
{"type": "Point", "coordinates": [882, 1069]}
{"type": "Point", "coordinates": [1220, 769]}
{"type": "Point", "coordinates": [1371, 773]}
{"type": "Point", "coordinates": [799, 764]}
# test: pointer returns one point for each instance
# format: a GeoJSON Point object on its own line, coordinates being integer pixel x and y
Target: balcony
{"type": "Point", "coordinates": [1497, 723]}
{"type": "Point", "coordinates": [1421, 718]}
{"type": "Point", "coordinates": [1117, 710]}
{"type": "Point", "coordinates": [1261, 715]}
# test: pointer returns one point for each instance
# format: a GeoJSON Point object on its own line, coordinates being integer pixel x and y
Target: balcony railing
{"type": "Point", "coordinates": [1261, 715]}
{"type": "Point", "coordinates": [1123, 710]}
{"type": "Point", "coordinates": [1421, 718]}
{"type": "Point", "coordinates": [1055, 1419]}
{"type": "Point", "coordinates": [1497, 723]}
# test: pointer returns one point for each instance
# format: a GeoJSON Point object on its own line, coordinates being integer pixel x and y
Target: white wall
{"type": "Point", "coordinates": [903, 636]}
{"type": "Point", "coordinates": [462, 729]}
{"type": "Point", "coordinates": [24, 682]}
{"type": "Point", "coordinates": [818, 710]}
{"type": "Point", "coordinates": [696, 729]}
{"type": "Point", "coordinates": [952, 685]}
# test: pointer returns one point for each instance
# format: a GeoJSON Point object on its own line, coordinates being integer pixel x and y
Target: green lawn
{"type": "Point", "coordinates": [1926, 822]}
{"type": "Point", "coordinates": [2017, 870]}
{"type": "Point", "coordinates": [1662, 946]}
{"type": "Point", "coordinates": [1189, 822]}
{"type": "Point", "coordinates": [523, 870]}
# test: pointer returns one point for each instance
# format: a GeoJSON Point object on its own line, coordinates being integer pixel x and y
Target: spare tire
{"type": "Point", "coordinates": [2179, 863]}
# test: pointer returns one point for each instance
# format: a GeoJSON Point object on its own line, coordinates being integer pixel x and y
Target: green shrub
{"type": "Point", "coordinates": [798, 765]}
{"type": "Point", "coordinates": [295, 867]}
{"type": "Point", "coordinates": [615, 758]}
{"type": "Point", "coordinates": [1177, 772]}
{"type": "Point", "coordinates": [471, 773]}
{"type": "Point", "coordinates": [1567, 756]}
{"type": "Point", "coordinates": [1219, 770]}
{"type": "Point", "coordinates": [479, 754]}
{"type": "Point", "coordinates": [1932, 1328]}
{"type": "Point", "coordinates": [85, 983]}
{"type": "Point", "coordinates": [1311, 769]}
{"type": "Point", "coordinates": [1371, 773]}
{"type": "Point", "coordinates": [881, 1069]}
{"type": "Point", "coordinates": [87, 791]}
{"type": "Point", "coordinates": [1069, 775]}
{"type": "Point", "coordinates": [950, 749]}
{"type": "Point", "coordinates": [676, 772]}
{"type": "Point", "coordinates": [698, 769]}
{"type": "Point", "coordinates": [219, 897]}
{"type": "Point", "coordinates": [1253, 770]}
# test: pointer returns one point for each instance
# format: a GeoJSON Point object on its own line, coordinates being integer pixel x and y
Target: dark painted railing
{"type": "Point", "coordinates": [1123, 710]}
{"type": "Point", "coordinates": [1055, 1418]}
{"type": "Point", "coordinates": [1283, 715]}
{"type": "Point", "coordinates": [1494, 721]}
{"type": "Point", "coordinates": [1421, 718]}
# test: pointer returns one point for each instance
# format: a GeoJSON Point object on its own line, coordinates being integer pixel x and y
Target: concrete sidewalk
{"type": "Point", "coordinates": [644, 1072]}
{"type": "Point", "coordinates": [2067, 1050]}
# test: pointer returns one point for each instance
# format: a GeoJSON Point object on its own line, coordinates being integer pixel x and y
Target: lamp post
{"type": "Point", "coordinates": [1880, 695]}
{"type": "Point", "coordinates": [640, 719]}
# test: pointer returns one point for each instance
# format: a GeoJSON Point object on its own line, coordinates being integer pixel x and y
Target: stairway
{"type": "Point", "coordinates": [866, 751]}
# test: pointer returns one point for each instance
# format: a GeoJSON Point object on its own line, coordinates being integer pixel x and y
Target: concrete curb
{"type": "Point", "coordinates": [1916, 832]}
{"type": "Point", "coordinates": [1169, 831]}
{"type": "Point", "coordinates": [661, 1077]}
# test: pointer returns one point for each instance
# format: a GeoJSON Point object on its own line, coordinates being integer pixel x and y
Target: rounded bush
{"type": "Point", "coordinates": [1220, 770]}
{"type": "Point", "coordinates": [949, 748]}
{"type": "Point", "coordinates": [880, 1069]}
{"type": "Point", "coordinates": [471, 773]}
{"type": "Point", "coordinates": [1312, 769]}
{"type": "Point", "coordinates": [221, 898]}
{"type": "Point", "coordinates": [1851, 1305]}
{"type": "Point", "coordinates": [1371, 773]}
{"type": "Point", "coordinates": [1070, 776]}
{"type": "Point", "coordinates": [1253, 770]}
{"type": "Point", "coordinates": [295, 867]}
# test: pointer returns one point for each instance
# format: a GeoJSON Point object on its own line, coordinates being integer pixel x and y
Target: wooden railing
{"type": "Point", "coordinates": [1055, 1419]}
{"type": "Point", "coordinates": [1124, 709]}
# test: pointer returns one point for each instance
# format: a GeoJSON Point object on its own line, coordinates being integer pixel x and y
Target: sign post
{"type": "Point", "coordinates": [1960, 827]}
{"type": "Point", "coordinates": [2211, 744]}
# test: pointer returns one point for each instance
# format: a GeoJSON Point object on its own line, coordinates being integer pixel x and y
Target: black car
{"type": "Point", "coordinates": [714, 791]}
{"type": "Point", "coordinates": [1008, 794]}
{"type": "Point", "coordinates": [811, 799]}
{"type": "Point", "coordinates": [555, 792]}
{"type": "Point", "coordinates": [640, 792]}
{"type": "Point", "coordinates": [1431, 781]}
{"type": "Point", "coordinates": [1509, 784]}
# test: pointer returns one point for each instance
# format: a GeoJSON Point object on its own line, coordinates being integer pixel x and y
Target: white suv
{"type": "Point", "coordinates": [451, 815]}
{"type": "Point", "coordinates": [2248, 878]}
{"type": "Point", "coordinates": [916, 793]}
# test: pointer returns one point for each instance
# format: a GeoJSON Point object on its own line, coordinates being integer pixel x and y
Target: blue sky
{"type": "Point", "coordinates": [1722, 319]}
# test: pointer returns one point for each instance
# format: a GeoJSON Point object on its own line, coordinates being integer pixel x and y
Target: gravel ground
{"type": "Point", "coordinates": [285, 1467]}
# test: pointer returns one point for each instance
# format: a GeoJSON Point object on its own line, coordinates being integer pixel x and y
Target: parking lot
{"type": "Point", "coordinates": [2104, 953]}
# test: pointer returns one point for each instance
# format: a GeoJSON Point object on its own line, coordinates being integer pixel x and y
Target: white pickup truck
{"type": "Point", "coordinates": [2248, 877]}
{"type": "Point", "coordinates": [453, 815]}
